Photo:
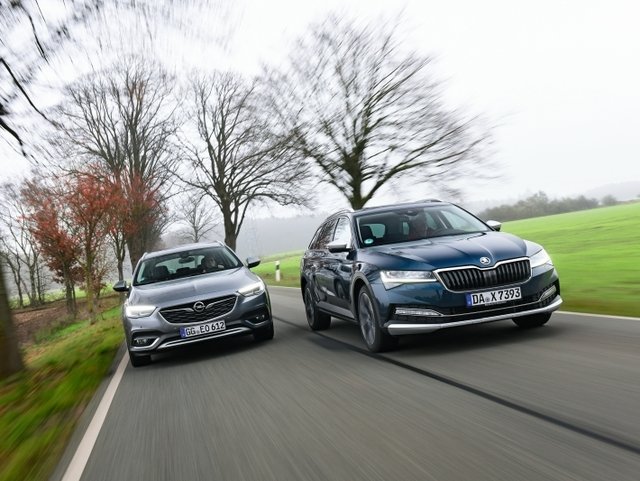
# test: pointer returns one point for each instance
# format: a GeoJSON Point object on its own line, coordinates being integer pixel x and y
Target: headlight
{"type": "Point", "coordinates": [392, 279]}
{"type": "Point", "coordinates": [252, 289]}
{"type": "Point", "coordinates": [134, 312]}
{"type": "Point", "coordinates": [539, 259]}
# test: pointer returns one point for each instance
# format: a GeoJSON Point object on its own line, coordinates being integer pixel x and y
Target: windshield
{"type": "Point", "coordinates": [416, 223]}
{"type": "Point", "coordinates": [187, 263]}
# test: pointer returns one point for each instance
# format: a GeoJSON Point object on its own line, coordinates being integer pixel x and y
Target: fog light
{"type": "Point", "coordinates": [549, 292]}
{"type": "Point", "coordinates": [411, 311]}
{"type": "Point", "coordinates": [143, 341]}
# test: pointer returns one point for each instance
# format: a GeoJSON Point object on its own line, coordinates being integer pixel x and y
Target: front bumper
{"type": "Point", "coordinates": [437, 308]}
{"type": "Point", "coordinates": [397, 328]}
{"type": "Point", "coordinates": [248, 315]}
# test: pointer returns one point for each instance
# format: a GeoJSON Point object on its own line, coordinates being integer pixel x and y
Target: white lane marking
{"type": "Point", "coordinates": [624, 318]}
{"type": "Point", "coordinates": [283, 287]}
{"type": "Point", "coordinates": [80, 458]}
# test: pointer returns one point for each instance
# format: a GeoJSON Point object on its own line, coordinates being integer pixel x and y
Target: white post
{"type": "Point", "coordinates": [277, 271]}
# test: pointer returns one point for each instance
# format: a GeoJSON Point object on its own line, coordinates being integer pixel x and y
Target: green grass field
{"type": "Point", "coordinates": [39, 408]}
{"type": "Point", "coordinates": [596, 253]}
{"type": "Point", "coordinates": [289, 270]}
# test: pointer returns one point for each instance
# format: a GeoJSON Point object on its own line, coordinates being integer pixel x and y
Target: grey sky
{"type": "Point", "coordinates": [561, 78]}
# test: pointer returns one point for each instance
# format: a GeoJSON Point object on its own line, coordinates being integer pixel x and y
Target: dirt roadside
{"type": "Point", "coordinates": [31, 322]}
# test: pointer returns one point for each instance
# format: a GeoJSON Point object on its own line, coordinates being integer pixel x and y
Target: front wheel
{"type": "Point", "coordinates": [318, 320]}
{"type": "Point", "coordinates": [534, 320]}
{"type": "Point", "coordinates": [374, 337]}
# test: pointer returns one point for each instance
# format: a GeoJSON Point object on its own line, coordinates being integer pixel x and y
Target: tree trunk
{"type": "Point", "coordinates": [41, 285]}
{"type": "Point", "coordinates": [20, 295]}
{"type": "Point", "coordinates": [136, 247]}
{"type": "Point", "coordinates": [120, 269]}
{"type": "Point", "coordinates": [33, 285]}
{"type": "Point", "coordinates": [229, 228]}
{"type": "Point", "coordinates": [10, 356]}
{"type": "Point", "coordinates": [70, 294]}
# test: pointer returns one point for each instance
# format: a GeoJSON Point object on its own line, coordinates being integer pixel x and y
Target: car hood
{"type": "Point", "coordinates": [450, 251]}
{"type": "Point", "coordinates": [189, 289]}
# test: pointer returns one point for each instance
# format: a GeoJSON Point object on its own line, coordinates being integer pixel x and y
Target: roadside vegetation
{"type": "Point", "coordinates": [595, 252]}
{"type": "Point", "coordinates": [40, 406]}
{"type": "Point", "coordinates": [540, 204]}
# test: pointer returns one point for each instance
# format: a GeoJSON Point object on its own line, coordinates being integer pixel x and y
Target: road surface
{"type": "Point", "coordinates": [486, 402]}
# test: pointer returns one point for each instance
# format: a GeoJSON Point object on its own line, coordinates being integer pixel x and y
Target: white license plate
{"type": "Point", "coordinates": [493, 297]}
{"type": "Point", "coordinates": [201, 329]}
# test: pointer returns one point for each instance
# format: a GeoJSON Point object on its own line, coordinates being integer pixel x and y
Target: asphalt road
{"type": "Point", "coordinates": [488, 402]}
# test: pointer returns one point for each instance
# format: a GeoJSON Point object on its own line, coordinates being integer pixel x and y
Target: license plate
{"type": "Point", "coordinates": [493, 297]}
{"type": "Point", "coordinates": [201, 329]}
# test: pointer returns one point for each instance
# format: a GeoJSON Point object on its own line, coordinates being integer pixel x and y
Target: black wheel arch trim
{"type": "Point", "coordinates": [357, 278]}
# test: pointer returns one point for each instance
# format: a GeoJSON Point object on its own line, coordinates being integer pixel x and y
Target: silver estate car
{"type": "Point", "coordinates": [190, 294]}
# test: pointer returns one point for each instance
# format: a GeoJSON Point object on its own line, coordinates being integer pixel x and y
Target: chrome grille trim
{"type": "Point", "coordinates": [503, 273]}
{"type": "Point", "coordinates": [214, 309]}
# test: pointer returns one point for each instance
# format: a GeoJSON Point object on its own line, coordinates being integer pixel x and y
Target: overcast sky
{"type": "Point", "coordinates": [561, 79]}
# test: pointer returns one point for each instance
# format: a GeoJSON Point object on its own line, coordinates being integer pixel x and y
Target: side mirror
{"type": "Point", "coordinates": [252, 261]}
{"type": "Point", "coordinates": [338, 246]}
{"type": "Point", "coordinates": [121, 286]}
{"type": "Point", "coordinates": [495, 225]}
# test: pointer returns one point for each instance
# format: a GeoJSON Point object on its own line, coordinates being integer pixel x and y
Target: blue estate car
{"type": "Point", "coordinates": [419, 267]}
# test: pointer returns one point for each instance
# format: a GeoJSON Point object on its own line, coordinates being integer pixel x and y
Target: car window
{"type": "Point", "coordinates": [456, 221]}
{"type": "Point", "coordinates": [342, 232]}
{"type": "Point", "coordinates": [415, 223]}
{"type": "Point", "coordinates": [185, 264]}
{"type": "Point", "coordinates": [323, 235]}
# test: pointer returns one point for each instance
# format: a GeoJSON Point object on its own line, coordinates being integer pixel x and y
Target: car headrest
{"type": "Point", "coordinates": [366, 233]}
{"type": "Point", "coordinates": [161, 272]}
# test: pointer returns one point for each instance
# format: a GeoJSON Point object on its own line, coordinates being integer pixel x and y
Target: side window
{"type": "Point", "coordinates": [323, 235]}
{"type": "Point", "coordinates": [343, 231]}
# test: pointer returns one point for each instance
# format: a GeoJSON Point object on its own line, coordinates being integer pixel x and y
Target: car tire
{"type": "Point", "coordinates": [139, 360]}
{"type": "Point", "coordinates": [374, 337]}
{"type": "Point", "coordinates": [318, 320]}
{"type": "Point", "coordinates": [535, 320]}
{"type": "Point", "coordinates": [264, 333]}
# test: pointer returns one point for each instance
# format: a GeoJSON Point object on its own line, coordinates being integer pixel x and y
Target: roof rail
{"type": "Point", "coordinates": [401, 203]}
{"type": "Point", "coordinates": [341, 211]}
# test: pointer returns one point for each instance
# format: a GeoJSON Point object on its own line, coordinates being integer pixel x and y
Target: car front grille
{"type": "Point", "coordinates": [470, 278]}
{"type": "Point", "coordinates": [213, 308]}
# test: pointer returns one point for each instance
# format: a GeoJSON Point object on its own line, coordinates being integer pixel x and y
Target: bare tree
{"type": "Point", "coordinates": [124, 119]}
{"type": "Point", "coordinates": [198, 218]}
{"type": "Point", "coordinates": [19, 248]}
{"type": "Point", "coordinates": [365, 113]}
{"type": "Point", "coordinates": [33, 38]}
{"type": "Point", "coordinates": [238, 160]}
{"type": "Point", "coordinates": [19, 63]}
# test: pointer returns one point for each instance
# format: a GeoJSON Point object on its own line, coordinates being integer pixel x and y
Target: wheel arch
{"type": "Point", "coordinates": [359, 282]}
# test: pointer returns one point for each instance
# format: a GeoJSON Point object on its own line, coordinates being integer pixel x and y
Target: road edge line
{"type": "Point", "coordinates": [589, 314]}
{"type": "Point", "coordinates": [77, 464]}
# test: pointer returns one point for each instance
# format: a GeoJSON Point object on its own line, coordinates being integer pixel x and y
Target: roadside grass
{"type": "Point", "coordinates": [289, 270]}
{"type": "Point", "coordinates": [280, 256]}
{"type": "Point", "coordinates": [596, 253]}
{"type": "Point", "coordinates": [40, 407]}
